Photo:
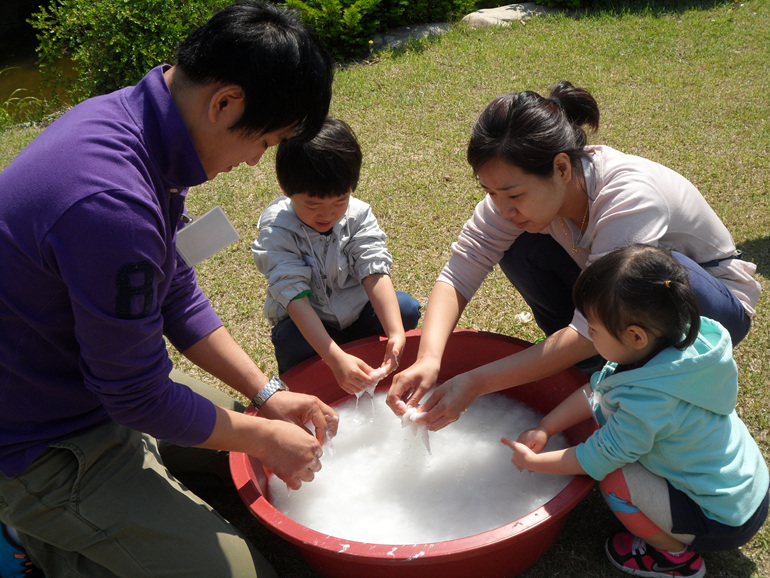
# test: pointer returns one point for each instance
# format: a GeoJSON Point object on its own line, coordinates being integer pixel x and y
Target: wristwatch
{"type": "Point", "coordinates": [275, 384]}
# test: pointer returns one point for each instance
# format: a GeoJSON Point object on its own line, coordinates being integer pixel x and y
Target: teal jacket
{"type": "Point", "coordinates": [676, 417]}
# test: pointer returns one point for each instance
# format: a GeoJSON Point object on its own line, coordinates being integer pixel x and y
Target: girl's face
{"type": "Point", "coordinates": [626, 350]}
{"type": "Point", "coordinates": [530, 202]}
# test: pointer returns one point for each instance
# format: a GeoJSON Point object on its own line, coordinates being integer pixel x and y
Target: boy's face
{"type": "Point", "coordinates": [320, 214]}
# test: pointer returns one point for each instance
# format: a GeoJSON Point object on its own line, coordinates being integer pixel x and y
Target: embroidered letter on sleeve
{"type": "Point", "coordinates": [135, 290]}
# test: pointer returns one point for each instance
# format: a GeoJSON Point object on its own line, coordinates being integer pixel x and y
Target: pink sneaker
{"type": "Point", "coordinates": [634, 556]}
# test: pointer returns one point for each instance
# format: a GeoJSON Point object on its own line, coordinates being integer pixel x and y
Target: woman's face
{"type": "Point", "coordinates": [530, 202]}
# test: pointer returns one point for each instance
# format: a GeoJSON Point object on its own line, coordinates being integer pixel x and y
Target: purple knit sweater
{"type": "Point", "coordinates": [90, 277]}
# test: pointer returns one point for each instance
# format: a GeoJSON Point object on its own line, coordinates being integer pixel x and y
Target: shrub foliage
{"type": "Point", "coordinates": [112, 43]}
{"type": "Point", "coordinates": [347, 26]}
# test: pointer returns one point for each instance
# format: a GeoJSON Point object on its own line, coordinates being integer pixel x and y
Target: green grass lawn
{"type": "Point", "coordinates": [688, 88]}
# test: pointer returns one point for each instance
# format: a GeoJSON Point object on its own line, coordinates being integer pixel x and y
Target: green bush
{"type": "Point", "coordinates": [112, 43]}
{"type": "Point", "coordinates": [347, 26]}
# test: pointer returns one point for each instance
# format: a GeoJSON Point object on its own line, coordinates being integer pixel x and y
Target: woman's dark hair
{"type": "Point", "coordinates": [644, 286]}
{"type": "Point", "coordinates": [528, 131]}
{"type": "Point", "coordinates": [326, 166]}
{"type": "Point", "coordinates": [284, 70]}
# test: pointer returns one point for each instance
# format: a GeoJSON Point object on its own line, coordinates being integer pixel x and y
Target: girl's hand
{"type": "Point", "coordinates": [523, 457]}
{"type": "Point", "coordinates": [448, 402]}
{"type": "Point", "coordinates": [535, 439]}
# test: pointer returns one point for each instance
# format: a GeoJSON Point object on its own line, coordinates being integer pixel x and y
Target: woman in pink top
{"type": "Point", "coordinates": [553, 206]}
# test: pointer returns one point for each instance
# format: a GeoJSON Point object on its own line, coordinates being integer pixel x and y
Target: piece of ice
{"type": "Point", "coordinates": [377, 376]}
{"type": "Point", "coordinates": [328, 443]}
{"type": "Point", "coordinates": [409, 419]}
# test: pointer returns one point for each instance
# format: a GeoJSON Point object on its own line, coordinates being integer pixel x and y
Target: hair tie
{"type": "Point", "coordinates": [668, 283]}
{"type": "Point", "coordinates": [556, 101]}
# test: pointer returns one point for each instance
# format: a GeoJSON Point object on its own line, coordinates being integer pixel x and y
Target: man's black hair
{"type": "Point", "coordinates": [284, 70]}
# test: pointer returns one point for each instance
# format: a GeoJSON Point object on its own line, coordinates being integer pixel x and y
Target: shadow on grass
{"type": "Point", "coordinates": [757, 251]}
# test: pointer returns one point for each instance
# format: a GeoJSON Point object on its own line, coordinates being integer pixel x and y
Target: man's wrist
{"type": "Point", "coordinates": [274, 385]}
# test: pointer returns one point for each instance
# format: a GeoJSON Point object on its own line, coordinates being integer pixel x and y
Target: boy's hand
{"type": "Point", "coordinates": [393, 351]}
{"type": "Point", "coordinates": [351, 373]}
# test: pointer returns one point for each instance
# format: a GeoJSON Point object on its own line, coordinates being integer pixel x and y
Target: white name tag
{"type": "Point", "coordinates": [205, 236]}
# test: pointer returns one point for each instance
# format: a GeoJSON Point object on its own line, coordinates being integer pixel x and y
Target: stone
{"type": "Point", "coordinates": [500, 16]}
{"type": "Point", "coordinates": [399, 36]}
{"type": "Point", "coordinates": [505, 15]}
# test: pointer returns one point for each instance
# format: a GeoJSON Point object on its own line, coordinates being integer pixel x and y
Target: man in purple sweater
{"type": "Point", "coordinates": [90, 284]}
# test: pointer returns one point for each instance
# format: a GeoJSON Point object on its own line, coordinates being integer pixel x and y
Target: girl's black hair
{"type": "Point", "coordinates": [281, 65]}
{"type": "Point", "coordinates": [644, 286]}
{"type": "Point", "coordinates": [528, 131]}
{"type": "Point", "coordinates": [326, 166]}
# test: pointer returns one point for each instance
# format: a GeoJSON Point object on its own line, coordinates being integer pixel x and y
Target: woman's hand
{"type": "Point", "coordinates": [411, 385]}
{"type": "Point", "coordinates": [448, 402]}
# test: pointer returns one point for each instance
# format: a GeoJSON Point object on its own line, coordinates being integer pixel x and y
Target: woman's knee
{"type": "Point", "coordinates": [715, 300]}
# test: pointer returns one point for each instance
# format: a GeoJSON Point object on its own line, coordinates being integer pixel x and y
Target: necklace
{"type": "Point", "coordinates": [569, 235]}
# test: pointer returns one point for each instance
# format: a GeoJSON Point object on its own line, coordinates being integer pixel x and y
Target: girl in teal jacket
{"type": "Point", "coordinates": [675, 463]}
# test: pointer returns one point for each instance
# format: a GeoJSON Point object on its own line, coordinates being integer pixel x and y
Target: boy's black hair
{"type": "Point", "coordinates": [326, 166]}
{"type": "Point", "coordinates": [644, 286]}
{"type": "Point", "coordinates": [284, 70]}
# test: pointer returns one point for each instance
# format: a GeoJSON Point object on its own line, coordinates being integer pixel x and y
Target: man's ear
{"type": "Point", "coordinates": [226, 104]}
{"type": "Point", "coordinates": [637, 336]}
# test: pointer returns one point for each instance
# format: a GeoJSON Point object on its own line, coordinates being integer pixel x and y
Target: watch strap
{"type": "Point", "coordinates": [275, 384]}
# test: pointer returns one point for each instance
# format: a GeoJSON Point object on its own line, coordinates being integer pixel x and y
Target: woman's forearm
{"type": "Point", "coordinates": [556, 353]}
{"type": "Point", "coordinates": [442, 313]}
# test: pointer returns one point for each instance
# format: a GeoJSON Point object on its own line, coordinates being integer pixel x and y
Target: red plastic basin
{"type": "Point", "coordinates": [501, 552]}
